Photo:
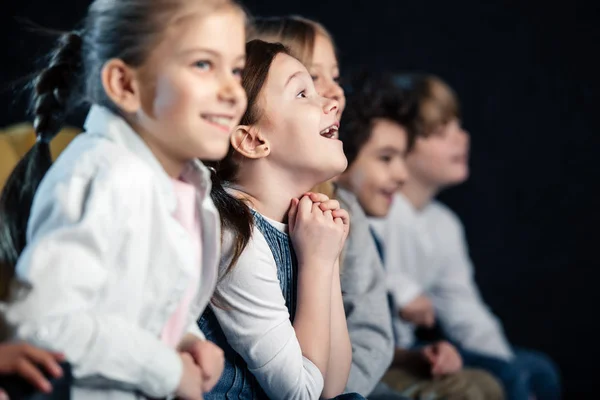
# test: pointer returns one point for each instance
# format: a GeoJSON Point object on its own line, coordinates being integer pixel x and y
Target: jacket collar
{"type": "Point", "coordinates": [101, 121]}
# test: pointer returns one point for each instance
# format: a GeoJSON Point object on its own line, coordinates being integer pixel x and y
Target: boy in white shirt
{"type": "Point", "coordinates": [429, 271]}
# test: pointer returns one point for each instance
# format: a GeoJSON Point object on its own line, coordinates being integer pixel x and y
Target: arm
{"type": "Point", "coordinates": [257, 324]}
{"type": "Point", "coordinates": [319, 231]}
{"type": "Point", "coordinates": [340, 352]}
{"type": "Point", "coordinates": [462, 313]}
{"type": "Point", "coordinates": [313, 312]}
{"type": "Point", "coordinates": [67, 263]}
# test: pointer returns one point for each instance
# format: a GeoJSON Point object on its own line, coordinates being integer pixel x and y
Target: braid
{"type": "Point", "coordinates": [51, 97]}
{"type": "Point", "coordinates": [54, 87]}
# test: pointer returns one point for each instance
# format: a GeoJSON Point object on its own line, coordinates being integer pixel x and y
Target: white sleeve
{"type": "Point", "coordinates": [257, 325]}
{"type": "Point", "coordinates": [390, 232]}
{"type": "Point", "coordinates": [402, 287]}
{"type": "Point", "coordinates": [463, 315]}
{"type": "Point", "coordinates": [73, 232]}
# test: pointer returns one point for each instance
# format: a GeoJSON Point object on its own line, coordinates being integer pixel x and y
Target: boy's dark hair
{"type": "Point", "coordinates": [369, 98]}
{"type": "Point", "coordinates": [421, 103]}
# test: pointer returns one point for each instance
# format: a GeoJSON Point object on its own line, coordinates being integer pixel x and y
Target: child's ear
{"type": "Point", "coordinates": [121, 85]}
{"type": "Point", "coordinates": [250, 142]}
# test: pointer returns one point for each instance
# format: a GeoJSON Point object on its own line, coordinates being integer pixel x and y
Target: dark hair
{"type": "Point", "coordinates": [298, 34]}
{"type": "Point", "coordinates": [235, 214]}
{"type": "Point", "coordinates": [371, 97]}
{"type": "Point", "coordinates": [126, 30]}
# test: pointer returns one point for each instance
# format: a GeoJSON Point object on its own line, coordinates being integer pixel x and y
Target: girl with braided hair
{"type": "Point", "coordinates": [110, 254]}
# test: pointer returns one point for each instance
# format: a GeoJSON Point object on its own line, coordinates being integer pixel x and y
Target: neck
{"type": "Point", "coordinates": [270, 191]}
{"type": "Point", "coordinates": [172, 165]}
{"type": "Point", "coordinates": [418, 193]}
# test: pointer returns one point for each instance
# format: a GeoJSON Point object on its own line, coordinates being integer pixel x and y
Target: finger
{"type": "Point", "coordinates": [429, 320]}
{"type": "Point", "coordinates": [420, 319]}
{"type": "Point", "coordinates": [30, 373]}
{"type": "Point", "coordinates": [343, 214]}
{"type": "Point", "coordinates": [327, 214]}
{"type": "Point", "coordinates": [429, 353]}
{"type": "Point", "coordinates": [3, 395]}
{"type": "Point", "coordinates": [305, 206]}
{"type": "Point", "coordinates": [315, 209]}
{"type": "Point", "coordinates": [186, 357]}
{"type": "Point", "coordinates": [330, 205]}
{"type": "Point", "coordinates": [318, 197]}
{"type": "Point", "coordinates": [292, 214]}
{"type": "Point", "coordinates": [208, 384]}
{"type": "Point", "coordinates": [45, 359]}
{"type": "Point", "coordinates": [441, 362]}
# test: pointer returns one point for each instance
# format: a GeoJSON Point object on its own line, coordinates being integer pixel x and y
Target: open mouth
{"type": "Point", "coordinates": [330, 132]}
{"type": "Point", "coordinates": [388, 194]}
{"type": "Point", "coordinates": [220, 121]}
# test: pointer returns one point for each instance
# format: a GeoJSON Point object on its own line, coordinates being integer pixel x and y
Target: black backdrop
{"type": "Point", "coordinates": [527, 75]}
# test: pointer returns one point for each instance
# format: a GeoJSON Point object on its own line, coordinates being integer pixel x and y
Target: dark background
{"type": "Point", "coordinates": [527, 74]}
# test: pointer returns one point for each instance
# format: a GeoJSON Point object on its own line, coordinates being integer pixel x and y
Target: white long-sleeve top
{"type": "Point", "coordinates": [108, 263]}
{"type": "Point", "coordinates": [426, 253]}
{"type": "Point", "coordinates": [256, 322]}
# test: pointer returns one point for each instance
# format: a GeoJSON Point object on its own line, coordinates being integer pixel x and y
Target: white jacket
{"type": "Point", "coordinates": [108, 263]}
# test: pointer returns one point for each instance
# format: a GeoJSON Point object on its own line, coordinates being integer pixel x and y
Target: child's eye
{"type": "Point", "coordinates": [385, 159]}
{"type": "Point", "coordinates": [203, 65]}
{"type": "Point", "coordinates": [314, 77]}
{"type": "Point", "coordinates": [238, 71]}
{"type": "Point", "coordinates": [302, 94]}
{"type": "Point", "coordinates": [337, 79]}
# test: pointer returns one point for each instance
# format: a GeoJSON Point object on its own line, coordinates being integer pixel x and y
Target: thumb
{"type": "Point", "coordinates": [292, 214]}
{"type": "Point", "coordinates": [429, 320]}
{"type": "Point", "coordinates": [431, 354]}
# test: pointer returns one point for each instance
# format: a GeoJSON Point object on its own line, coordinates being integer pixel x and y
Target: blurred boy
{"type": "Point", "coordinates": [428, 268]}
{"type": "Point", "coordinates": [376, 143]}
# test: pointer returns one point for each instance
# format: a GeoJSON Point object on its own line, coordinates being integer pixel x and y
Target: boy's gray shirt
{"type": "Point", "coordinates": [365, 302]}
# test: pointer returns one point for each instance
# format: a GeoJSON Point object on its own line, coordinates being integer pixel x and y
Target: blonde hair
{"type": "Point", "coordinates": [436, 102]}
{"type": "Point", "coordinates": [296, 33]}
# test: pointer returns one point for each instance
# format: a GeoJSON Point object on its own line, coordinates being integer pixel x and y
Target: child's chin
{"type": "Point", "coordinates": [457, 178]}
{"type": "Point", "coordinates": [216, 152]}
{"type": "Point", "coordinates": [341, 164]}
{"type": "Point", "coordinates": [378, 213]}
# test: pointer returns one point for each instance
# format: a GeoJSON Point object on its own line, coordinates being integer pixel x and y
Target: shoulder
{"type": "Point", "coordinates": [359, 223]}
{"type": "Point", "coordinates": [441, 215]}
{"type": "Point", "coordinates": [91, 155]}
{"type": "Point", "coordinates": [94, 175]}
{"type": "Point", "coordinates": [93, 159]}
{"type": "Point", "coordinates": [256, 258]}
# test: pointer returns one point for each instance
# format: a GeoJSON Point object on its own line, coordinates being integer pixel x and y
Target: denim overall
{"type": "Point", "coordinates": [237, 382]}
